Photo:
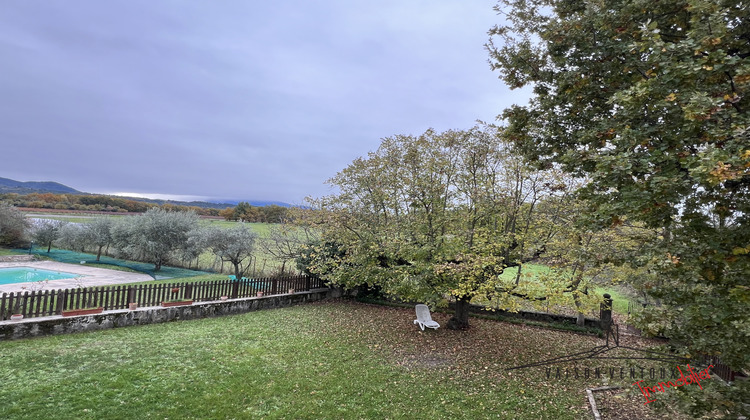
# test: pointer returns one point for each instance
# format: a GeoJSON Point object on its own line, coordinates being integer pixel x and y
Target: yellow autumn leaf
{"type": "Point", "coordinates": [671, 97]}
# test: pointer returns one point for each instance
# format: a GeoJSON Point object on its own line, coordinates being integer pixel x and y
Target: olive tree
{"type": "Point", "coordinates": [99, 234]}
{"type": "Point", "coordinates": [154, 235]}
{"type": "Point", "coordinates": [46, 231]}
{"type": "Point", "coordinates": [13, 225]}
{"type": "Point", "coordinates": [234, 245]}
{"type": "Point", "coordinates": [73, 236]}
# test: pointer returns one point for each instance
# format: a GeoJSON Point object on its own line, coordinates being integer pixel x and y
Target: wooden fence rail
{"type": "Point", "coordinates": [53, 302]}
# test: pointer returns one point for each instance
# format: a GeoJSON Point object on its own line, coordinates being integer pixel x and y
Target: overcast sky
{"type": "Point", "coordinates": [247, 100]}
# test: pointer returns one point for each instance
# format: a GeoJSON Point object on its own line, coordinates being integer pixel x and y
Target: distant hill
{"type": "Point", "coordinates": [12, 186]}
{"type": "Point", "coordinates": [18, 187]}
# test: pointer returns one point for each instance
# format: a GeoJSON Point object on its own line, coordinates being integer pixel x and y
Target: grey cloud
{"type": "Point", "coordinates": [232, 99]}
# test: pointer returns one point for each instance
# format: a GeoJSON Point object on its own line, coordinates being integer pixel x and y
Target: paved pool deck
{"type": "Point", "coordinates": [89, 276]}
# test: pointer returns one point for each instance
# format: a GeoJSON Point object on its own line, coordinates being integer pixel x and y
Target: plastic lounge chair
{"type": "Point", "coordinates": [424, 319]}
{"type": "Point", "coordinates": [233, 278]}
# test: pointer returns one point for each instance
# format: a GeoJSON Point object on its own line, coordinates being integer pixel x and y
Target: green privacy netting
{"type": "Point", "coordinates": [72, 257]}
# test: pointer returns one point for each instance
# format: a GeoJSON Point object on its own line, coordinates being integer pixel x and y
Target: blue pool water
{"type": "Point", "coordinates": [27, 274]}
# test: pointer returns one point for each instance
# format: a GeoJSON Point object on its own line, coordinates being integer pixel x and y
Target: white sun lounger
{"type": "Point", "coordinates": [424, 319]}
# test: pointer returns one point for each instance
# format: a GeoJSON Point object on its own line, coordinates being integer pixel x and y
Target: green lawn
{"type": "Point", "coordinates": [194, 279]}
{"type": "Point", "coordinates": [619, 299]}
{"type": "Point", "coordinates": [5, 251]}
{"type": "Point", "coordinates": [326, 360]}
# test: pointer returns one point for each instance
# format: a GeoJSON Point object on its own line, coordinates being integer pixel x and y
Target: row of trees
{"type": "Point", "coordinates": [96, 203]}
{"type": "Point", "coordinates": [246, 212]}
{"type": "Point", "coordinates": [159, 236]}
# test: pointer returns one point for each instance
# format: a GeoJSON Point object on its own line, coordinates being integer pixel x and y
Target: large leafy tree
{"type": "Point", "coordinates": [434, 216]}
{"type": "Point", "coordinates": [649, 100]}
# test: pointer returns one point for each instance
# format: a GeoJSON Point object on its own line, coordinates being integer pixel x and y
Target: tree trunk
{"type": "Point", "coordinates": [99, 252]}
{"type": "Point", "coordinates": [237, 271]}
{"type": "Point", "coordinates": [460, 319]}
{"type": "Point", "coordinates": [49, 246]}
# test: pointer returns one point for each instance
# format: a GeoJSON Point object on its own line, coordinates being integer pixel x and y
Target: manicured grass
{"type": "Point", "coordinates": [5, 251]}
{"type": "Point", "coordinates": [329, 360]}
{"type": "Point", "coordinates": [194, 279]}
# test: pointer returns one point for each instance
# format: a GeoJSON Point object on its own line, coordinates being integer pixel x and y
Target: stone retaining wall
{"type": "Point", "coordinates": [52, 325]}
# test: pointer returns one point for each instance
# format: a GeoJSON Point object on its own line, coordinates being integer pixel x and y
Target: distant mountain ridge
{"type": "Point", "coordinates": [12, 186]}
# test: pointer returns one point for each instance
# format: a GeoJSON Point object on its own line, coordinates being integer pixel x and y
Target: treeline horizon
{"type": "Point", "coordinates": [243, 211]}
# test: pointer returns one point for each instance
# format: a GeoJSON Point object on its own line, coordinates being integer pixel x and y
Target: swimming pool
{"type": "Point", "coordinates": [28, 274]}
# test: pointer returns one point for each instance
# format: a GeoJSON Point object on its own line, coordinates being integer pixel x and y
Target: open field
{"type": "Point", "coordinates": [327, 360]}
